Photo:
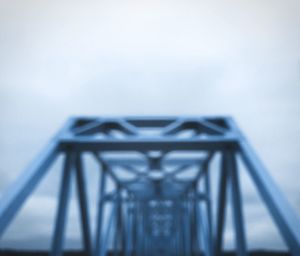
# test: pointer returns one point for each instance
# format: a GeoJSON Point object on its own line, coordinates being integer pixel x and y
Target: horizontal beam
{"type": "Point", "coordinates": [142, 144]}
{"type": "Point", "coordinates": [140, 161]}
{"type": "Point", "coordinates": [151, 121]}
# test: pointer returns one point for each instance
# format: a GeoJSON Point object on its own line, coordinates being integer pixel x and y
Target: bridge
{"type": "Point", "coordinates": [161, 201]}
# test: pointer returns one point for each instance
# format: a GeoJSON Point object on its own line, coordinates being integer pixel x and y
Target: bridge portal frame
{"type": "Point", "coordinates": [221, 135]}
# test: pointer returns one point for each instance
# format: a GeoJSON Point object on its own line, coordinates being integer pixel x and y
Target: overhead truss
{"type": "Point", "coordinates": [161, 201]}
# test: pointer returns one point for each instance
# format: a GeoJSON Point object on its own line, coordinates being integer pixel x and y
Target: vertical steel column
{"type": "Point", "coordinates": [123, 227]}
{"type": "Point", "coordinates": [60, 225]}
{"type": "Point", "coordinates": [179, 228]}
{"type": "Point", "coordinates": [129, 229]}
{"type": "Point", "coordinates": [236, 204]}
{"type": "Point", "coordinates": [202, 209]}
{"type": "Point", "coordinates": [194, 233]}
{"type": "Point", "coordinates": [221, 210]}
{"type": "Point", "coordinates": [196, 239]}
{"type": "Point", "coordinates": [119, 229]}
{"type": "Point", "coordinates": [143, 234]}
{"type": "Point", "coordinates": [83, 205]}
{"type": "Point", "coordinates": [135, 229]}
{"type": "Point", "coordinates": [140, 236]}
{"type": "Point", "coordinates": [203, 227]}
{"type": "Point", "coordinates": [186, 226]}
{"type": "Point", "coordinates": [146, 235]}
{"type": "Point", "coordinates": [105, 237]}
{"type": "Point", "coordinates": [199, 245]}
{"type": "Point", "coordinates": [209, 208]}
{"type": "Point", "coordinates": [102, 189]}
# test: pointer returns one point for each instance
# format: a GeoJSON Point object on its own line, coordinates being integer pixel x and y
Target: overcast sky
{"type": "Point", "coordinates": [148, 57]}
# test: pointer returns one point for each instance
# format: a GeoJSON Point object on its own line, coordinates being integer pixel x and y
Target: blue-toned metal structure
{"type": "Point", "coordinates": [161, 202]}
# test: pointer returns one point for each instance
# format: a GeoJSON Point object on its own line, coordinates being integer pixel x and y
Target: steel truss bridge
{"type": "Point", "coordinates": [161, 201]}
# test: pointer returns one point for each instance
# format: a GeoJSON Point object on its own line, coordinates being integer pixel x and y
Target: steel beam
{"type": "Point", "coordinates": [118, 235]}
{"type": "Point", "coordinates": [236, 197]}
{"type": "Point", "coordinates": [204, 229]}
{"type": "Point", "coordinates": [13, 199]}
{"type": "Point", "coordinates": [83, 205]}
{"type": "Point", "coordinates": [102, 190]}
{"type": "Point", "coordinates": [209, 210]}
{"type": "Point", "coordinates": [185, 228]}
{"type": "Point", "coordinates": [216, 142]}
{"type": "Point", "coordinates": [64, 196]}
{"type": "Point", "coordinates": [280, 209]}
{"type": "Point", "coordinates": [129, 230]}
{"type": "Point", "coordinates": [105, 237]}
{"type": "Point", "coordinates": [221, 210]}
{"type": "Point", "coordinates": [283, 214]}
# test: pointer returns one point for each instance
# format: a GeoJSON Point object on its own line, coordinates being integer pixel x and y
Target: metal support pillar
{"type": "Point", "coordinates": [83, 205]}
{"type": "Point", "coordinates": [236, 197]}
{"type": "Point", "coordinates": [118, 236]}
{"type": "Point", "coordinates": [102, 189]}
{"type": "Point", "coordinates": [106, 235]}
{"type": "Point", "coordinates": [60, 224]}
{"type": "Point", "coordinates": [209, 209]}
{"type": "Point", "coordinates": [221, 210]}
{"type": "Point", "coordinates": [129, 230]}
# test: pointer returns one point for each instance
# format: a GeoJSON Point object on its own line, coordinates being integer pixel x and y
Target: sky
{"type": "Point", "coordinates": [158, 57]}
